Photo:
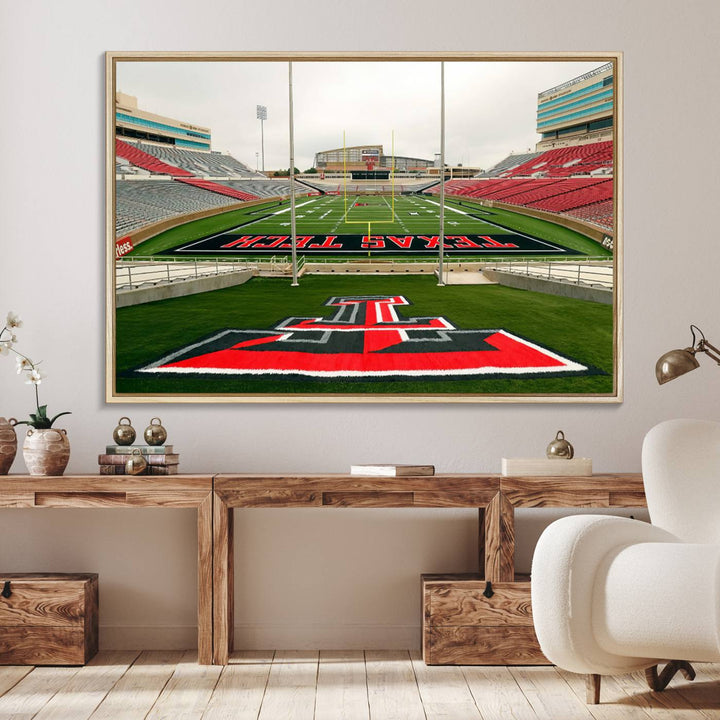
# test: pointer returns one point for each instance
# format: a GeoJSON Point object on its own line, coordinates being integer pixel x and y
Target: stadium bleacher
{"type": "Point", "coordinates": [218, 188]}
{"type": "Point", "coordinates": [456, 187]}
{"type": "Point", "coordinates": [141, 202]}
{"type": "Point", "coordinates": [600, 213]}
{"type": "Point", "coordinates": [575, 181]}
{"type": "Point", "coordinates": [557, 195]}
{"type": "Point", "coordinates": [141, 159]}
{"type": "Point", "coordinates": [402, 184]}
{"type": "Point", "coordinates": [199, 163]}
{"type": "Point", "coordinates": [559, 162]}
{"type": "Point", "coordinates": [508, 164]}
{"type": "Point", "coordinates": [578, 197]}
{"type": "Point", "coordinates": [261, 188]}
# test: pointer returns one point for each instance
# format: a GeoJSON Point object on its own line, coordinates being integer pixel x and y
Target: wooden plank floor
{"type": "Point", "coordinates": [344, 685]}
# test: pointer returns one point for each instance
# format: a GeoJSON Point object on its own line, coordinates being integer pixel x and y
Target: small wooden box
{"type": "Point", "coordinates": [48, 618]}
{"type": "Point", "coordinates": [547, 467]}
{"type": "Point", "coordinates": [461, 626]}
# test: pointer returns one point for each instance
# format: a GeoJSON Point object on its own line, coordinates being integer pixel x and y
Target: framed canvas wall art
{"type": "Point", "coordinates": [398, 227]}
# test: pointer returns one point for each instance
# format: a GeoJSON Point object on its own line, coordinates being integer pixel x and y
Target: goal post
{"type": "Point", "coordinates": [358, 205]}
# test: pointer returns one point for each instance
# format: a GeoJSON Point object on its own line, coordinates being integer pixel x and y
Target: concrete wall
{"type": "Point", "coordinates": [551, 287]}
{"type": "Point", "coordinates": [591, 231]}
{"type": "Point", "coordinates": [328, 577]}
{"type": "Point", "coordinates": [180, 288]}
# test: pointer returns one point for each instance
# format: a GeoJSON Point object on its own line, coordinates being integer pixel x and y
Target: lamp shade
{"type": "Point", "coordinates": [675, 363]}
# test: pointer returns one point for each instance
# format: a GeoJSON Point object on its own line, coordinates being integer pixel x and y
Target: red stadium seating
{"type": "Point", "coordinates": [217, 188]}
{"type": "Point", "coordinates": [147, 162]}
{"type": "Point", "coordinates": [561, 162]}
{"type": "Point", "coordinates": [558, 181]}
{"type": "Point", "coordinates": [599, 213]}
{"type": "Point", "coordinates": [555, 195]}
{"type": "Point", "coordinates": [579, 197]}
{"type": "Point", "coordinates": [587, 198]}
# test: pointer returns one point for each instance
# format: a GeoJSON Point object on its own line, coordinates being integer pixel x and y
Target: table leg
{"type": "Point", "coordinates": [205, 580]}
{"type": "Point", "coordinates": [223, 581]}
{"type": "Point", "coordinates": [499, 518]}
{"type": "Point", "coordinates": [481, 542]}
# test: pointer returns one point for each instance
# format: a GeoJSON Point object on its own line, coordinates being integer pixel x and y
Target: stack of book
{"type": "Point", "coordinates": [160, 459]}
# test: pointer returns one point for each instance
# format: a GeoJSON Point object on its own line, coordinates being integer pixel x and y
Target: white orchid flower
{"type": "Point", "coordinates": [28, 370]}
{"type": "Point", "coordinates": [23, 364]}
{"type": "Point", "coordinates": [13, 320]}
{"type": "Point", "coordinates": [35, 377]}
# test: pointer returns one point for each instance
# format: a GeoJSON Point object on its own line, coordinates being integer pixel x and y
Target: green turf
{"type": "Point", "coordinates": [197, 229]}
{"type": "Point", "coordinates": [577, 329]}
{"type": "Point", "coordinates": [538, 228]}
{"type": "Point", "coordinates": [402, 215]}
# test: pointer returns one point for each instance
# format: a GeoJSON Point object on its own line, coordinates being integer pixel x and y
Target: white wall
{"type": "Point", "coordinates": [331, 578]}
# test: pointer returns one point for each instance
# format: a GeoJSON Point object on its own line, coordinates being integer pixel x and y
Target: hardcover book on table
{"type": "Point", "coordinates": [149, 470]}
{"type": "Point", "coordinates": [112, 459]}
{"type": "Point", "coordinates": [144, 449]}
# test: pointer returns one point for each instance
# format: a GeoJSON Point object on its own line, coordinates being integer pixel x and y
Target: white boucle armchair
{"type": "Point", "coordinates": [613, 595]}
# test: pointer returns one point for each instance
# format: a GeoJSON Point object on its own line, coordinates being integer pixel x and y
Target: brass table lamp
{"type": "Point", "coordinates": [677, 362]}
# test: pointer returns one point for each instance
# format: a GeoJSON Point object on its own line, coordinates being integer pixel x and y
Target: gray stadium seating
{"type": "Point", "coordinates": [141, 202]}
{"type": "Point", "coordinates": [261, 188]}
{"type": "Point", "coordinates": [199, 163]}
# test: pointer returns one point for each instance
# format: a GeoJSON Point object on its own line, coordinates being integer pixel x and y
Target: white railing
{"type": "Point", "coordinates": [136, 271]}
{"type": "Point", "coordinates": [592, 272]}
{"type": "Point", "coordinates": [132, 273]}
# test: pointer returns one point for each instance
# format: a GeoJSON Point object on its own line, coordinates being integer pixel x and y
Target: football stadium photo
{"type": "Point", "coordinates": [362, 228]}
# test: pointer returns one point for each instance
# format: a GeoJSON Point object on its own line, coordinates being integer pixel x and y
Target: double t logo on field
{"type": "Point", "coordinates": [365, 337]}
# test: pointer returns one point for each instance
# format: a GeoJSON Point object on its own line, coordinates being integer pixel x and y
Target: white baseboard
{"type": "Point", "coordinates": [265, 637]}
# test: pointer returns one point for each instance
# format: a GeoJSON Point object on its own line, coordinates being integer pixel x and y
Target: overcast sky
{"type": "Point", "coordinates": [490, 106]}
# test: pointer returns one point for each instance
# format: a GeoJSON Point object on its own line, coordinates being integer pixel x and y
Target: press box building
{"type": "Point", "coordinates": [578, 111]}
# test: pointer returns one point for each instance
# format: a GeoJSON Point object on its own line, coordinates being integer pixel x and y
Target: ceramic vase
{"type": "Point", "coordinates": [46, 451]}
{"type": "Point", "coordinates": [8, 445]}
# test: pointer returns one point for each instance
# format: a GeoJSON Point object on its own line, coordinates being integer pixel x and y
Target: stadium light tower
{"type": "Point", "coordinates": [262, 117]}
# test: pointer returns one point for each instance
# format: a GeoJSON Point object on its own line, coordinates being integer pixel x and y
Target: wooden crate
{"type": "Point", "coordinates": [461, 626]}
{"type": "Point", "coordinates": [48, 618]}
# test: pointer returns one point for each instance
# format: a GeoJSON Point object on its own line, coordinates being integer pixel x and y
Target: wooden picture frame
{"type": "Point", "coordinates": [428, 307]}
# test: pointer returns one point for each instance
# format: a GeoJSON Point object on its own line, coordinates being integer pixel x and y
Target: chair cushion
{"type": "Point", "coordinates": [659, 600]}
{"type": "Point", "coordinates": [565, 563]}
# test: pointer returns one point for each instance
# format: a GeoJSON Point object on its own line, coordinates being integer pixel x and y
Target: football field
{"type": "Point", "coordinates": [365, 335]}
{"type": "Point", "coordinates": [358, 225]}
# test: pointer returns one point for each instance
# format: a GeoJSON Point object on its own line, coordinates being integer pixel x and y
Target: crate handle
{"type": "Point", "coordinates": [488, 592]}
{"type": "Point", "coordinates": [6, 592]}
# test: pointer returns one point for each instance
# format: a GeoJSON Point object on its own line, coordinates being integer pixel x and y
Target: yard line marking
{"type": "Point", "coordinates": [397, 217]}
{"type": "Point", "coordinates": [244, 225]}
{"type": "Point", "coordinates": [280, 212]}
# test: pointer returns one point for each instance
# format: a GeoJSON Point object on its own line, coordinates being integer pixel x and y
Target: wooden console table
{"type": "Point", "coordinates": [495, 497]}
{"type": "Point", "coordinates": [127, 491]}
{"type": "Point", "coordinates": [215, 497]}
